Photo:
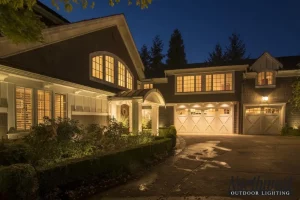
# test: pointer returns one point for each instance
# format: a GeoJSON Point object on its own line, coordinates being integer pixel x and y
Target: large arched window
{"type": "Point", "coordinates": [108, 68]}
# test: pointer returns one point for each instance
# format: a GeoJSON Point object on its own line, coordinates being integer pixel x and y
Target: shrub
{"type": "Point", "coordinates": [13, 153]}
{"type": "Point", "coordinates": [286, 130]}
{"type": "Point", "coordinates": [18, 181]}
{"type": "Point", "coordinates": [169, 132]}
{"type": "Point", "coordinates": [90, 167]}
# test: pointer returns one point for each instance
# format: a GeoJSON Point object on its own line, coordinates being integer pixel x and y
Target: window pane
{"type": "Point", "coordinates": [129, 80]}
{"type": "Point", "coordinates": [23, 108]}
{"type": "Point", "coordinates": [228, 85]}
{"type": "Point", "coordinates": [121, 74]}
{"type": "Point", "coordinates": [60, 106]}
{"type": "Point", "coordinates": [261, 78]}
{"type": "Point", "coordinates": [208, 82]}
{"type": "Point", "coordinates": [179, 84]}
{"type": "Point", "coordinates": [44, 105]}
{"type": "Point", "coordinates": [188, 83]}
{"type": "Point", "coordinates": [269, 78]}
{"type": "Point", "coordinates": [109, 69]}
{"type": "Point", "coordinates": [218, 82]}
{"type": "Point", "coordinates": [198, 83]}
{"type": "Point", "coordinates": [97, 67]}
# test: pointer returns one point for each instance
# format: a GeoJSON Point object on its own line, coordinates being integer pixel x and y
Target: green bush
{"type": "Point", "coordinates": [169, 132]}
{"type": "Point", "coordinates": [13, 153]}
{"type": "Point", "coordinates": [90, 167]}
{"type": "Point", "coordinates": [18, 181]}
{"type": "Point", "coordinates": [286, 130]}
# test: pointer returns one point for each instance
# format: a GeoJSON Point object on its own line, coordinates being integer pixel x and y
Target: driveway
{"type": "Point", "coordinates": [205, 167]}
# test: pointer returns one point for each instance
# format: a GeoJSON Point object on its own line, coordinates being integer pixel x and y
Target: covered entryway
{"type": "Point", "coordinates": [213, 118]}
{"type": "Point", "coordinates": [263, 119]}
{"type": "Point", "coordinates": [132, 106]}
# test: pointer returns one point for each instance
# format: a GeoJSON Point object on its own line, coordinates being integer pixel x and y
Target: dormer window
{"type": "Point", "coordinates": [106, 68]}
{"type": "Point", "coordinates": [265, 78]}
{"type": "Point", "coordinates": [148, 85]}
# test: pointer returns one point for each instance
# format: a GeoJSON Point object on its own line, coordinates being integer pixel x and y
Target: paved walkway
{"type": "Point", "coordinates": [203, 170]}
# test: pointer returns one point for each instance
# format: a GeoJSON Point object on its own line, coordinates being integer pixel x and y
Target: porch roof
{"type": "Point", "coordinates": [151, 95]}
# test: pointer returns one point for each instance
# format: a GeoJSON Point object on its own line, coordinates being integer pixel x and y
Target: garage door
{"type": "Point", "coordinates": [262, 120]}
{"type": "Point", "coordinates": [204, 120]}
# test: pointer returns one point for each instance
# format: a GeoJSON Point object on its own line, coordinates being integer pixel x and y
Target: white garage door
{"type": "Point", "coordinates": [204, 120]}
{"type": "Point", "coordinates": [262, 120]}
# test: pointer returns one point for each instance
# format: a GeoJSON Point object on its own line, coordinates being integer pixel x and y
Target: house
{"type": "Point", "coordinates": [91, 70]}
{"type": "Point", "coordinates": [88, 71]}
{"type": "Point", "coordinates": [250, 97]}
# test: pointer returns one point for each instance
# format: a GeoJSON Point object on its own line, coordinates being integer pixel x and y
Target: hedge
{"type": "Point", "coordinates": [13, 154]}
{"type": "Point", "coordinates": [90, 167]}
{"type": "Point", "coordinates": [18, 181]}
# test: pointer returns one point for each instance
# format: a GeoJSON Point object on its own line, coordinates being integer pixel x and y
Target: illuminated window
{"type": "Point", "coordinates": [265, 78]}
{"type": "Point", "coordinates": [225, 111]}
{"type": "Point", "coordinates": [198, 83]}
{"type": "Point", "coordinates": [109, 69]}
{"type": "Point", "coordinates": [23, 108]}
{"type": "Point", "coordinates": [208, 83]}
{"type": "Point", "coordinates": [271, 110]}
{"type": "Point", "coordinates": [179, 84]}
{"type": "Point", "coordinates": [60, 106]}
{"type": "Point", "coordinates": [148, 86]}
{"type": "Point", "coordinates": [129, 80]}
{"type": "Point", "coordinates": [253, 110]}
{"type": "Point", "coordinates": [97, 67]}
{"type": "Point", "coordinates": [44, 105]}
{"type": "Point", "coordinates": [188, 83]}
{"type": "Point", "coordinates": [121, 74]}
{"type": "Point", "coordinates": [228, 83]}
{"type": "Point", "coordinates": [218, 82]}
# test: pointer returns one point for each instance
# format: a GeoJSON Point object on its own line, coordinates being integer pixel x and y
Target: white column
{"type": "Point", "coordinates": [136, 116]}
{"type": "Point", "coordinates": [130, 117]}
{"type": "Point", "coordinates": [113, 110]}
{"type": "Point", "coordinates": [155, 119]}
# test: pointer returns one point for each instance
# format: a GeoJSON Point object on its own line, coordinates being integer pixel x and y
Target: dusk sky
{"type": "Point", "coordinates": [264, 25]}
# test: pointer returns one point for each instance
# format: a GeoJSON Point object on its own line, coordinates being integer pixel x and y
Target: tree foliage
{"type": "Point", "coordinates": [217, 56]}
{"type": "Point", "coordinates": [295, 100]}
{"type": "Point", "coordinates": [237, 48]}
{"type": "Point", "coordinates": [235, 51]}
{"type": "Point", "coordinates": [146, 59]}
{"type": "Point", "coordinates": [176, 54]}
{"type": "Point", "coordinates": [156, 61]}
{"type": "Point", "coordinates": [20, 24]}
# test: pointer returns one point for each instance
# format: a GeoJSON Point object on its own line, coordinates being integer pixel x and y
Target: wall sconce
{"type": "Point", "coordinates": [265, 98]}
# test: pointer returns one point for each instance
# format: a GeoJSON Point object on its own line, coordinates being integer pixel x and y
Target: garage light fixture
{"type": "Point", "coordinates": [265, 98]}
{"type": "Point", "coordinates": [196, 106]}
{"type": "Point", "coordinates": [210, 105]}
{"type": "Point", "coordinates": [181, 106]}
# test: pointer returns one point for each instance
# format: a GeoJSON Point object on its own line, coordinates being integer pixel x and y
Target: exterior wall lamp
{"type": "Point", "coordinates": [265, 98]}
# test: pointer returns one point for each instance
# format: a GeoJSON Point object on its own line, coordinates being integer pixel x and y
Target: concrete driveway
{"type": "Point", "coordinates": [203, 170]}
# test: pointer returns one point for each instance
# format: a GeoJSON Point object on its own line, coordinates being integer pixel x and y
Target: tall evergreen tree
{"type": "Point", "coordinates": [217, 56]}
{"type": "Point", "coordinates": [236, 50]}
{"type": "Point", "coordinates": [156, 65]}
{"type": "Point", "coordinates": [146, 59]}
{"type": "Point", "coordinates": [176, 54]}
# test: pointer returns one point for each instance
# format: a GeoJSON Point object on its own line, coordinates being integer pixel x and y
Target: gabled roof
{"type": "Point", "coordinates": [68, 31]}
{"type": "Point", "coordinates": [266, 61]}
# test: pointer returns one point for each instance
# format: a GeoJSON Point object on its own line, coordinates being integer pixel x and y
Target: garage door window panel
{"type": "Point", "coordinates": [182, 112]}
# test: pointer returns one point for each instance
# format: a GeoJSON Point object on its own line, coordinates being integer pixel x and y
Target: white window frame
{"type": "Point", "coordinates": [265, 77]}
{"type": "Point", "coordinates": [66, 105]}
{"type": "Point", "coordinates": [148, 85]}
{"type": "Point", "coordinates": [203, 84]}
{"type": "Point", "coordinates": [24, 113]}
{"type": "Point", "coordinates": [44, 109]}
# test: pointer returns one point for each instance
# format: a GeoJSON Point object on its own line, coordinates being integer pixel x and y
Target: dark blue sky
{"type": "Point", "coordinates": [264, 25]}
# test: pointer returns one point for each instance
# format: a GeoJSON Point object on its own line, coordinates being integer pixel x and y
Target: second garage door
{"type": "Point", "coordinates": [262, 120]}
{"type": "Point", "coordinates": [204, 120]}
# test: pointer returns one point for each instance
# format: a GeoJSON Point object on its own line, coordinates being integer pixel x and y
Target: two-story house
{"type": "Point", "coordinates": [250, 97]}
{"type": "Point", "coordinates": [88, 71]}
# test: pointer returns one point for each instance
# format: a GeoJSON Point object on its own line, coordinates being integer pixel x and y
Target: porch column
{"type": "Point", "coordinates": [113, 110]}
{"type": "Point", "coordinates": [155, 119]}
{"type": "Point", "coordinates": [130, 117]}
{"type": "Point", "coordinates": [136, 116]}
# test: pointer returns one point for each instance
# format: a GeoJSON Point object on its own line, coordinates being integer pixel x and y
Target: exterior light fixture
{"type": "Point", "coordinates": [265, 98]}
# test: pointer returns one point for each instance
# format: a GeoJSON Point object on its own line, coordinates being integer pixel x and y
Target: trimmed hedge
{"type": "Point", "coordinates": [169, 132]}
{"type": "Point", "coordinates": [18, 181]}
{"type": "Point", "coordinates": [97, 166]}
